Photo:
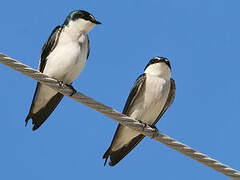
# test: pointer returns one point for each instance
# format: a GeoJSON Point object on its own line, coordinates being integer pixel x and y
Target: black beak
{"type": "Point", "coordinates": [96, 22]}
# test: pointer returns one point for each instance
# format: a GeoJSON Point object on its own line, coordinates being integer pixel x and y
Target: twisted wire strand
{"type": "Point", "coordinates": [121, 118]}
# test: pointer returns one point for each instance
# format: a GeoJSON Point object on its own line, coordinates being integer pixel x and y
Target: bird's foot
{"type": "Point", "coordinates": [73, 90]}
{"type": "Point", "coordinates": [60, 83]}
{"type": "Point", "coordinates": [155, 131]}
{"type": "Point", "coordinates": [144, 124]}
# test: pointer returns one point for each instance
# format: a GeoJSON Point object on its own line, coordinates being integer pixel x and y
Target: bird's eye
{"type": "Point", "coordinates": [91, 17]}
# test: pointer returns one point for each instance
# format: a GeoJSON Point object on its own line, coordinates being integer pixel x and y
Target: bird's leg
{"type": "Point", "coordinates": [152, 126]}
{"type": "Point", "coordinates": [74, 90]}
{"type": "Point", "coordinates": [144, 124]}
{"type": "Point", "coordinates": [155, 130]}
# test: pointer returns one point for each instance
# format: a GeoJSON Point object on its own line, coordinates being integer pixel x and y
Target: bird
{"type": "Point", "coordinates": [151, 95]}
{"type": "Point", "coordinates": [63, 57]}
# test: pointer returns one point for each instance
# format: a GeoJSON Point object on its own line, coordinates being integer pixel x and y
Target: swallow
{"type": "Point", "coordinates": [151, 95]}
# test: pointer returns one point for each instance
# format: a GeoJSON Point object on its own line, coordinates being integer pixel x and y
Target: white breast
{"type": "Point", "coordinates": [68, 59]}
{"type": "Point", "coordinates": [148, 106]}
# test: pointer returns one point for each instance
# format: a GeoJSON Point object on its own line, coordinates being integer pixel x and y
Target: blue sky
{"type": "Point", "coordinates": [200, 38]}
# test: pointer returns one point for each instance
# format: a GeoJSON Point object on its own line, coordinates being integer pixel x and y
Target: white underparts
{"type": "Point", "coordinates": [67, 60]}
{"type": "Point", "coordinates": [146, 108]}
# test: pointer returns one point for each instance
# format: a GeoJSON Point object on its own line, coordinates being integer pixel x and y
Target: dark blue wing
{"type": "Point", "coordinates": [40, 116]}
{"type": "Point", "coordinates": [116, 156]}
{"type": "Point", "coordinates": [49, 46]}
{"type": "Point", "coordinates": [134, 92]}
{"type": "Point", "coordinates": [88, 46]}
{"type": "Point", "coordinates": [119, 154]}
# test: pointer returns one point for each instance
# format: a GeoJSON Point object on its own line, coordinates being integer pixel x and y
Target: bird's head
{"type": "Point", "coordinates": [81, 20]}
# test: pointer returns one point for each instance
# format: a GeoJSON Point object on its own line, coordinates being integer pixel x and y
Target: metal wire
{"type": "Point", "coordinates": [121, 118]}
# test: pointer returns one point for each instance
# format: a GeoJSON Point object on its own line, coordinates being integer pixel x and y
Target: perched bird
{"type": "Point", "coordinates": [150, 96]}
{"type": "Point", "coordinates": [63, 57]}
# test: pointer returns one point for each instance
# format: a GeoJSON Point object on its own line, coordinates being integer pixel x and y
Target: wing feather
{"type": "Point", "coordinates": [119, 154]}
{"type": "Point", "coordinates": [40, 116]}
{"type": "Point", "coordinates": [49, 46]}
{"type": "Point", "coordinates": [116, 156]}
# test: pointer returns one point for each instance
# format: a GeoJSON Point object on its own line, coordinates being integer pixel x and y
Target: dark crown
{"type": "Point", "coordinates": [158, 59]}
{"type": "Point", "coordinates": [80, 14]}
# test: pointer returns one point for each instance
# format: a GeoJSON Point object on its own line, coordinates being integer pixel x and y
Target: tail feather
{"type": "Point", "coordinates": [40, 117]}
{"type": "Point", "coordinates": [118, 155]}
{"type": "Point", "coordinates": [106, 155]}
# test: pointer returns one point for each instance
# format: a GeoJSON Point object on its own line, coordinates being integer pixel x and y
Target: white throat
{"type": "Point", "coordinates": [159, 69]}
{"type": "Point", "coordinates": [78, 27]}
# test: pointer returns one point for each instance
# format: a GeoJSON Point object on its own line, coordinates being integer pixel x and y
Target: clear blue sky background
{"type": "Point", "coordinates": [200, 38]}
